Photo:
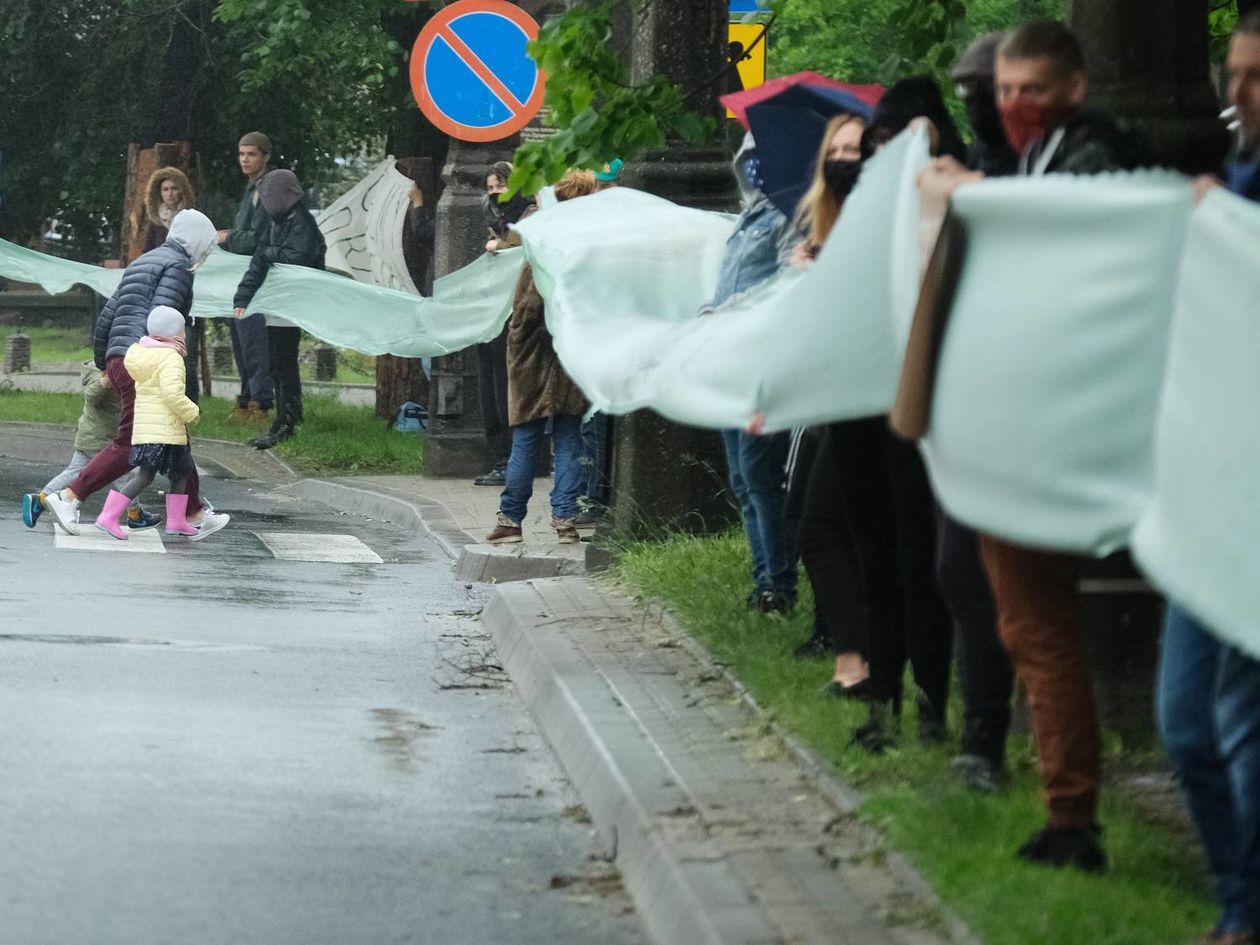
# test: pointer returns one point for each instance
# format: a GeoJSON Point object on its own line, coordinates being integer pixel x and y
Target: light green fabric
{"type": "Point", "coordinates": [468, 306]}
{"type": "Point", "coordinates": [53, 273]}
{"type": "Point", "coordinates": [1199, 539]}
{"type": "Point", "coordinates": [1048, 383]}
{"type": "Point", "coordinates": [624, 275]}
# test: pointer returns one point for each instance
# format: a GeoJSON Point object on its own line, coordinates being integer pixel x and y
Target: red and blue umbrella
{"type": "Point", "coordinates": [788, 118]}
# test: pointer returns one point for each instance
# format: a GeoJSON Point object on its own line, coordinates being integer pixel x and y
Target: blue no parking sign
{"type": "Point", "coordinates": [470, 73]}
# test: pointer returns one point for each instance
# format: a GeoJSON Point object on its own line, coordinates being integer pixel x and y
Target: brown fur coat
{"type": "Point", "coordinates": [537, 385]}
{"type": "Point", "coordinates": [155, 231]}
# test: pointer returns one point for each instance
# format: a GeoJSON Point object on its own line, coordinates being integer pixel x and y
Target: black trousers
{"type": "Point", "coordinates": [492, 385]}
{"type": "Point", "coordinates": [192, 362]}
{"type": "Point", "coordinates": [984, 669]}
{"type": "Point", "coordinates": [927, 639]}
{"type": "Point", "coordinates": [891, 516]}
{"type": "Point", "coordinates": [282, 344]}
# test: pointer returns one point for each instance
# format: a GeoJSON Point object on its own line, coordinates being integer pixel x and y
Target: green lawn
{"type": "Point", "coordinates": [58, 344]}
{"type": "Point", "coordinates": [1156, 893]}
{"type": "Point", "coordinates": [335, 438]}
{"type": "Point", "coordinates": [49, 345]}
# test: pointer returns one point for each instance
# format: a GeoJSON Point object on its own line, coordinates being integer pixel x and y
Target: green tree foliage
{"type": "Point", "coordinates": [80, 82]}
{"type": "Point", "coordinates": [599, 114]}
{"type": "Point", "coordinates": [886, 40]}
{"type": "Point", "coordinates": [68, 78]}
{"type": "Point", "coordinates": [1221, 19]}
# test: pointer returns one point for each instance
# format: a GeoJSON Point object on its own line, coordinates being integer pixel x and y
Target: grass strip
{"type": "Point", "coordinates": [964, 843]}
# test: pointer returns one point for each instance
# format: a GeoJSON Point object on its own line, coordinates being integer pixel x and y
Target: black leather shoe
{"type": "Point", "coordinates": [1078, 847]}
{"type": "Point", "coordinates": [816, 647]}
{"type": "Point", "coordinates": [267, 441]}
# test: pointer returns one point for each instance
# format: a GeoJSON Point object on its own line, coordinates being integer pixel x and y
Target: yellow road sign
{"type": "Point", "coordinates": [752, 68]}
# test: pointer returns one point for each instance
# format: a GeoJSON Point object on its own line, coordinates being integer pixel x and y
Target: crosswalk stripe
{"type": "Point", "coordinates": [300, 546]}
{"type": "Point", "coordinates": [91, 538]}
{"type": "Point", "coordinates": [283, 546]}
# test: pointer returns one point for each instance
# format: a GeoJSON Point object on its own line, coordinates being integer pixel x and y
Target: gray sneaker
{"type": "Point", "coordinates": [978, 773]}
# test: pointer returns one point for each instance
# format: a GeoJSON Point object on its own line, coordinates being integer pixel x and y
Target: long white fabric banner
{"type": "Point", "coordinates": [468, 306]}
{"type": "Point", "coordinates": [625, 277]}
{"type": "Point", "coordinates": [1049, 375]}
{"type": "Point", "coordinates": [1199, 537]}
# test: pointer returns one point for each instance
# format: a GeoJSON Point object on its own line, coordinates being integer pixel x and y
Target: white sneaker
{"type": "Point", "coordinates": [210, 523]}
{"type": "Point", "coordinates": [64, 512]}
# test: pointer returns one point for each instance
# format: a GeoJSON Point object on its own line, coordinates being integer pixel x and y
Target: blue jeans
{"type": "Point", "coordinates": [595, 458]}
{"type": "Point", "coordinates": [757, 474]}
{"type": "Point", "coordinates": [1209, 719]}
{"type": "Point", "coordinates": [566, 444]}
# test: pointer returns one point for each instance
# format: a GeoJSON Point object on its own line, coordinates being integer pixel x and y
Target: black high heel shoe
{"type": "Point", "coordinates": [859, 690]}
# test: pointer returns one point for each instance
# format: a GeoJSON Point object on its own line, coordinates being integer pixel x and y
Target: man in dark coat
{"type": "Point", "coordinates": [163, 276]}
{"type": "Point", "coordinates": [290, 237]}
{"type": "Point", "coordinates": [249, 335]}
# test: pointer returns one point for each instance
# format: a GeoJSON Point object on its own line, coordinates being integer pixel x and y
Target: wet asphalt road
{"type": "Point", "coordinates": [212, 745]}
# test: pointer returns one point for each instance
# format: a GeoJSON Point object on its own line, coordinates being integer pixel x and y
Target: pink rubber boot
{"type": "Point", "coordinates": [177, 515]}
{"type": "Point", "coordinates": [111, 516]}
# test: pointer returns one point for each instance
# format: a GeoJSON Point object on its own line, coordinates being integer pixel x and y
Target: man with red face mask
{"type": "Point", "coordinates": [1040, 82]}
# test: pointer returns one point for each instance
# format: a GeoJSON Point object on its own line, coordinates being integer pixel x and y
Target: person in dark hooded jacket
{"type": "Point", "coordinates": [292, 237]}
{"type": "Point", "coordinates": [163, 276]}
{"type": "Point", "coordinates": [492, 378]}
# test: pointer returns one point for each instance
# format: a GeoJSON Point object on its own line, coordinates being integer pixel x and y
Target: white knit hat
{"type": "Point", "coordinates": [165, 322]}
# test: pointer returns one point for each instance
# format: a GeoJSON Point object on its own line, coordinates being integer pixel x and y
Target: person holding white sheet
{"type": "Point", "coordinates": [541, 394]}
{"type": "Point", "coordinates": [1041, 84]}
{"type": "Point", "coordinates": [762, 241]}
{"type": "Point", "coordinates": [1208, 694]}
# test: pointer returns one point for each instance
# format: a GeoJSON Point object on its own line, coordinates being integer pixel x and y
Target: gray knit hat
{"type": "Point", "coordinates": [256, 139]}
{"type": "Point", "coordinates": [977, 61]}
{"type": "Point", "coordinates": [165, 322]}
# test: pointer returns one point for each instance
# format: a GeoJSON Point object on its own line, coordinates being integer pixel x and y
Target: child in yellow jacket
{"type": "Point", "coordinates": [159, 438]}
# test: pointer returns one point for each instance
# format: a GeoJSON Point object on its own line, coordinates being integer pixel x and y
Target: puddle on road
{"type": "Point", "coordinates": [400, 732]}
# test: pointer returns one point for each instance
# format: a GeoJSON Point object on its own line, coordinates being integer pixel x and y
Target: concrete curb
{"type": "Point", "coordinates": [684, 889]}
{"type": "Point", "coordinates": [492, 564]}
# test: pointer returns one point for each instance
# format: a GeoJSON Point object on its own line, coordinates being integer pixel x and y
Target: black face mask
{"type": "Point", "coordinates": [499, 216]}
{"type": "Point", "coordinates": [841, 177]}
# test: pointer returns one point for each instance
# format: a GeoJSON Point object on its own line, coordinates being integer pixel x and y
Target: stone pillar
{"type": "Point", "coordinates": [456, 444]}
{"type": "Point", "coordinates": [665, 474]}
{"type": "Point", "coordinates": [1148, 62]}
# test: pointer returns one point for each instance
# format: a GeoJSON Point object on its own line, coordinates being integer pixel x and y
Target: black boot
{"type": "Point", "coordinates": [931, 722]}
{"type": "Point", "coordinates": [1078, 847]}
{"type": "Point", "coordinates": [880, 729]}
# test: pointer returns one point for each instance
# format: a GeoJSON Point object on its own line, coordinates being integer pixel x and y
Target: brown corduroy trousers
{"type": "Point", "coordinates": [1039, 619]}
